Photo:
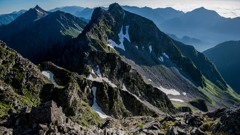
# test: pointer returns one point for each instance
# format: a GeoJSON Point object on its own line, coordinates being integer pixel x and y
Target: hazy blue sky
{"type": "Point", "coordinates": [228, 8]}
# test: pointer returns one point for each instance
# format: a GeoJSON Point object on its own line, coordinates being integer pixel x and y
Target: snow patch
{"type": "Point", "coordinates": [150, 48]}
{"type": "Point", "coordinates": [161, 59]}
{"type": "Point", "coordinates": [149, 80]}
{"type": "Point", "coordinates": [184, 93]}
{"type": "Point", "coordinates": [109, 82]}
{"type": "Point", "coordinates": [39, 11]}
{"type": "Point", "coordinates": [125, 89]}
{"type": "Point", "coordinates": [114, 44]}
{"type": "Point", "coordinates": [90, 77]}
{"type": "Point", "coordinates": [127, 34]}
{"type": "Point", "coordinates": [99, 77]}
{"type": "Point", "coordinates": [95, 106]}
{"type": "Point", "coordinates": [169, 91]}
{"type": "Point", "coordinates": [98, 72]}
{"type": "Point", "coordinates": [50, 76]}
{"type": "Point", "coordinates": [178, 100]}
{"type": "Point", "coordinates": [164, 54]}
{"type": "Point", "coordinates": [111, 43]}
{"type": "Point", "coordinates": [136, 46]}
{"type": "Point", "coordinates": [121, 36]}
{"type": "Point", "coordinates": [92, 71]}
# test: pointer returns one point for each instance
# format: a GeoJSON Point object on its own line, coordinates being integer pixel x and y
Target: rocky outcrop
{"type": "Point", "coordinates": [73, 92]}
{"type": "Point", "coordinates": [20, 81]}
{"type": "Point", "coordinates": [22, 85]}
{"type": "Point", "coordinates": [48, 118]}
{"type": "Point", "coordinates": [229, 122]}
{"type": "Point", "coordinates": [114, 100]}
{"type": "Point", "coordinates": [124, 76]}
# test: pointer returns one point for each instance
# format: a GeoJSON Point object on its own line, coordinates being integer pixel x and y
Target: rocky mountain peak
{"type": "Point", "coordinates": [97, 12]}
{"type": "Point", "coordinates": [205, 12]}
{"type": "Point", "coordinates": [38, 7]}
{"type": "Point", "coordinates": [115, 6]}
{"type": "Point", "coordinates": [37, 12]}
{"type": "Point", "coordinates": [116, 10]}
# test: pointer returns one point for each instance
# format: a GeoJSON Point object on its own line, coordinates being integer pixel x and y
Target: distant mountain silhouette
{"type": "Point", "coordinates": [157, 15]}
{"type": "Point", "coordinates": [226, 56]}
{"type": "Point", "coordinates": [8, 18]}
{"type": "Point", "coordinates": [68, 9]}
{"type": "Point", "coordinates": [206, 25]}
{"type": "Point", "coordinates": [203, 24]}
{"type": "Point", "coordinates": [35, 31]}
{"type": "Point", "coordinates": [197, 43]}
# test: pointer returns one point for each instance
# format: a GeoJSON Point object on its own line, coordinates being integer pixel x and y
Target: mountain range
{"type": "Point", "coordinates": [117, 70]}
{"type": "Point", "coordinates": [188, 24]}
{"type": "Point", "coordinates": [174, 22]}
{"type": "Point", "coordinates": [218, 28]}
{"type": "Point", "coordinates": [35, 31]}
{"type": "Point", "coordinates": [8, 18]}
{"type": "Point", "coordinates": [161, 61]}
{"type": "Point", "coordinates": [226, 58]}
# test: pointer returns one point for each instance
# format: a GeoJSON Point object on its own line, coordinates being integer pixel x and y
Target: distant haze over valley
{"type": "Point", "coordinates": [229, 8]}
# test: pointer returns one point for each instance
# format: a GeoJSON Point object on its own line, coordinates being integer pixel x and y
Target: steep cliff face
{"type": "Point", "coordinates": [24, 85]}
{"type": "Point", "coordinates": [116, 36]}
{"type": "Point", "coordinates": [21, 81]}
{"type": "Point", "coordinates": [112, 96]}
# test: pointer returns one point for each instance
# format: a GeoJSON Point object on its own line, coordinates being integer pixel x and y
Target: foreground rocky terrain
{"type": "Point", "coordinates": [48, 118]}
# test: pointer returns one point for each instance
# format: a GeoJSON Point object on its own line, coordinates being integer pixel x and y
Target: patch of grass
{"type": "Point", "coordinates": [231, 92]}
{"type": "Point", "coordinates": [166, 125]}
{"type": "Point", "coordinates": [213, 89]}
{"type": "Point", "coordinates": [30, 99]}
{"type": "Point", "coordinates": [163, 72]}
{"type": "Point", "coordinates": [59, 86]}
{"type": "Point", "coordinates": [87, 116]}
{"type": "Point", "coordinates": [4, 108]}
{"type": "Point", "coordinates": [70, 32]}
{"type": "Point", "coordinates": [19, 75]}
{"type": "Point", "coordinates": [140, 125]}
{"type": "Point", "coordinates": [208, 125]}
{"type": "Point", "coordinates": [179, 104]}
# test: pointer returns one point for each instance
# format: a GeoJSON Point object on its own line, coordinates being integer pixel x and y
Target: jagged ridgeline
{"type": "Point", "coordinates": [120, 65]}
{"type": "Point", "coordinates": [23, 84]}
{"type": "Point", "coordinates": [36, 31]}
{"type": "Point", "coordinates": [115, 36]}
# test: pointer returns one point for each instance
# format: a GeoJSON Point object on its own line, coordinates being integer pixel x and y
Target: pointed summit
{"type": "Point", "coordinates": [117, 11]}
{"type": "Point", "coordinates": [115, 6]}
{"type": "Point", "coordinates": [203, 11]}
{"type": "Point", "coordinates": [97, 12]}
{"type": "Point", "coordinates": [39, 9]}
{"type": "Point", "coordinates": [36, 13]}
